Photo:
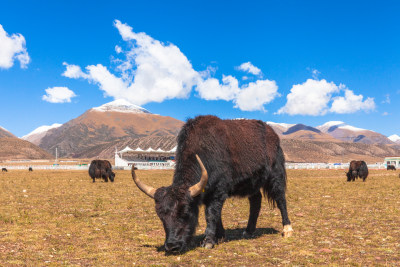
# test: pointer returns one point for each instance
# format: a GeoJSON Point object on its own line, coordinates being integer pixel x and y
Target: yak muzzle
{"type": "Point", "coordinates": [173, 247]}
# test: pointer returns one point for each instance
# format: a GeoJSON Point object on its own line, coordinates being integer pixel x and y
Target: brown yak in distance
{"type": "Point", "coordinates": [357, 168]}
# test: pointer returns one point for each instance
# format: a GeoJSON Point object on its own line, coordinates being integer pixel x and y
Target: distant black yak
{"type": "Point", "coordinates": [4, 169]}
{"type": "Point", "coordinates": [391, 167]}
{"type": "Point", "coordinates": [357, 168]}
{"type": "Point", "coordinates": [101, 169]}
{"type": "Point", "coordinates": [30, 169]}
{"type": "Point", "coordinates": [217, 159]}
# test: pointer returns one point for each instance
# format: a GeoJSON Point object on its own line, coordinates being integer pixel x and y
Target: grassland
{"type": "Point", "coordinates": [62, 218]}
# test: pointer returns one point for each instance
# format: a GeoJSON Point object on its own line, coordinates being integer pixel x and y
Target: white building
{"type": "Point", "coordinates": [395, 161]}
{"type": "Point", "coordinates": [145, 159]}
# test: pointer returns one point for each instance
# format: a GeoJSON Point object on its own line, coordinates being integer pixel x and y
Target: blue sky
{"type": "Point", "coordinates": [307, 61]}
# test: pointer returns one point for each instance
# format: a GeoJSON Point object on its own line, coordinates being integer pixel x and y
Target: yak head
{"type": "Point", "coordinates": [177, 209]}
{"type": "Point", "coordinates": [112, 176]}
{"type": "Point", "coordinates": [349, 177]}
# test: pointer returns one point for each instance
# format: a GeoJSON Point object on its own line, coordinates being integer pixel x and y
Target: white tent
{"type": "Point", "coordinates": [173, 150]}
{"type": "Point", "coordinates": [126, 149]}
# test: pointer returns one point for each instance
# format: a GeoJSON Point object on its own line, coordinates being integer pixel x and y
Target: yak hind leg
{"type": "Point", "coordinates": [281, 203]}
{"type": "Point", "coordinates": [214, 229]}
{"type": "Point", "coordinates": [255, 206]}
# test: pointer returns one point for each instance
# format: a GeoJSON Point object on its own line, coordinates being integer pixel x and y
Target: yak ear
{"type": "Point", "coordinates": [196, 189]}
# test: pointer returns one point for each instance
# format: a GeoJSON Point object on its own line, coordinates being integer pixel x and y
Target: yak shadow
{"type": "Point", "coordinates": [230, 235]}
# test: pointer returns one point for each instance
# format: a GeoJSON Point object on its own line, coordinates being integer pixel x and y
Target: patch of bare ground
{"type": "Point", "coordinates": [62, 218]}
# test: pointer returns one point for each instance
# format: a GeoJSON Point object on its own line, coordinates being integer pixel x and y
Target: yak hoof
{"type": "Point", "coordinates": [208, 245]}
{"type": "Point", "coordinates": [287, 231]}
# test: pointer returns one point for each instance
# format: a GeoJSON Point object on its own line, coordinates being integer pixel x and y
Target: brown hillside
{"type": "Point", "coordinates": [312, 151]}
{"type": "Point", "coordinates": [107, 150]}
{"type": "Point", "coordinates": [94, 128]}
{"type": "Point", "coordinates": [15, 148]}
{"type": "Point", "coordinates": [5, 133]}
{"type": "Point", "coordinates": [310, 136]}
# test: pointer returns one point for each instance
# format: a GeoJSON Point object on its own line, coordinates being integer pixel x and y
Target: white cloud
{"type": "Point", "coordinates": [351, 103]}
{"type": "Point", "coordinates": [255, 95]}
{"type": "Point", "coordinates": [314, 96]}
{"type": "Point", "coordinates": [385, 113]}
{"type": "Point", "coordinates": [153, 71]}
{"type": "Point", "coordinates": [211, 89]}
{"type": "Point", "coordinates": [58, 95]}
{"type": "Point", "coordinates": [309, 98]}
{"type": "Point", "coordinates": [118, 49]}
{"type": "Point", "coordinates": [12, 48]}
{"type": "Point", "coordinates": [73, 71]}
{"type": "Point", "coordinates": [315, 73]}
{"type": "Point", "coordinates": [250, 68]}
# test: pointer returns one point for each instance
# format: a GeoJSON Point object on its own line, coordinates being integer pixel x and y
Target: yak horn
{"type": "Point", "coordinates": [196, 189]}
{"type": "Point", "coordinates": [148, 190]}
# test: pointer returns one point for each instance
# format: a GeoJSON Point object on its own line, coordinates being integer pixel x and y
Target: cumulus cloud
{"type": "Point", "coordinates": [350, 103]}
{"type": "Point", "coordinates": [309, 98]}
{"type": "Point", "coordinates": [313, 97]}
{"type": "Point", "coordinates": [256, 94]}
{"type": "Point", "coordinates": [153, 71]}
{"type": "Point", "coordinates": [73, 71]}
{"type": "Point", "coordinates": [12, 48]}
{"type": "Point", "coordinates": [58, 95]}
{"type": "Point", "coordinates": [250, 68]}
{"type": "Point", "coordinates": [118, 49]}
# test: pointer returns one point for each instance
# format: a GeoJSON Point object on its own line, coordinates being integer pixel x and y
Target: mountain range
{"type": "Point", "coordinates": [12, 147]}
{"type": "Point", "coordinates": [101, 130]}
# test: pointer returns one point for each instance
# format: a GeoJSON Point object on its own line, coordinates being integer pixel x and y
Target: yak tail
{"type": "Point", "coordinates": [275, 185]}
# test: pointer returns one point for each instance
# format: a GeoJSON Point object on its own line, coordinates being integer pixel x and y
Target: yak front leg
{"type": "Point", "coordinates": [214, 230]}
{"type": "Point", "coordinates": [255, 206]}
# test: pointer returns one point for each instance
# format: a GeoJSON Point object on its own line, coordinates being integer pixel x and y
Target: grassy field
{"type": "Point", "coordinates": [62, 218]}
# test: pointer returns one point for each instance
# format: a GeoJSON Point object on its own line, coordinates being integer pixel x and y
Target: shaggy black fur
{"type": "Point", "coordinates": [357, 169]}
{"type": "Point", "coordinates": [391, 167]}
{"type": "Point", "coordinates": [101, 169]}
{"type": "Point", "coordinates": [4, 170]}
{"type": "Point", "coordinates": [30, 169]}
{"type": "Point", "coordinates": [241, 157]}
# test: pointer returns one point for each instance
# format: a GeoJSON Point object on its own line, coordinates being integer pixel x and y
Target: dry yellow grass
{"type": "Point", "coordinates": [62, 218]}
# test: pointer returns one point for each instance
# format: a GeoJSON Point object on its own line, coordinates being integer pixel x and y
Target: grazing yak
{"type": "Point", "coordinates": [30, 169]}
{"type": "Point", "coordinates": [391, 167]}
{"type": "Point", "coordinates": [217, 159]}
{"type": "Point", "coordinates": [4, 169]}
{"type": "Point", "coordinates": [101, 169]}
{"type": "Point", "coordinates": [357, 168]}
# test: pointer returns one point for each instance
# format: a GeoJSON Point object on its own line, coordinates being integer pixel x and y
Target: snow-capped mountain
{"type": "Point", "coordinates": [279, 128]}
{"type": "Point", "coordinates": [121, 105]}
{"type": "Point", "coordinates": [36, 135]}
{"type": "Point", "coordinates": [395, 138]}
{"type": "Point", "coordinates": [109, 123]}
{"type": "Point", "coordinates": [332, 125]}
{"type": "Point", "coordinates": [348, 133]}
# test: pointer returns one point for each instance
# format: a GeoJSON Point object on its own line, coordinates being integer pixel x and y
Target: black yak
{"type": "Point", "coordinates": [30, 169]}
{"type": "Point", "coordinates": [101, 169]}
{"type": "Point", "coordinates": [217, 159]}
{"type": "Point", "coordinates": [4, 169]}
{"type": "Point", "coordinates": [391, 167]}
{"type": "Point", "coordinates": [357, 168]}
